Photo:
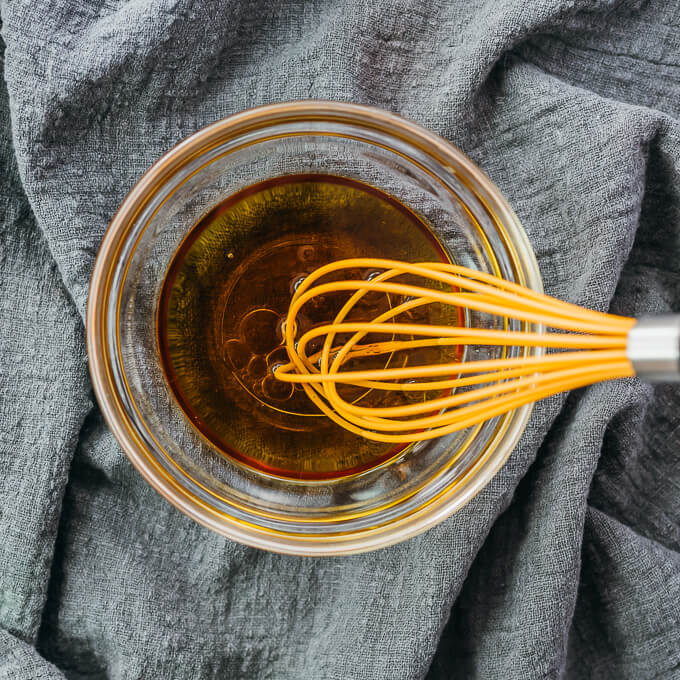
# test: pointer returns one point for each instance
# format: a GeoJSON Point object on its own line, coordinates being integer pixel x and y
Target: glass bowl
{"type": "Point", "coordinates": [420, 486]}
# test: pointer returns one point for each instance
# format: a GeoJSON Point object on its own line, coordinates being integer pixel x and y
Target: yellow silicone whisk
{"type": "Point", "coordinates": [583, 347]}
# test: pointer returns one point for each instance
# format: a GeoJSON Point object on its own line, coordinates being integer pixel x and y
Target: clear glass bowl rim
{"type": "Point", "coordinates": [104, 387]}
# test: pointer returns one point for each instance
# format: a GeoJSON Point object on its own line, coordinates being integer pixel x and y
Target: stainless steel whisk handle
{"type": "Point", "coordinates": [654, 348]}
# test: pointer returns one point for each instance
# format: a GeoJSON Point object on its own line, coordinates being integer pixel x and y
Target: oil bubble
{"type": "Point", "coordinates": [306, 253]}
{"type": "Point", "coordinates": [237, 353]}
{"type": "Point", "coordinates": [258, 330]}
{"type": "Point", "coordinates": [276, 390]}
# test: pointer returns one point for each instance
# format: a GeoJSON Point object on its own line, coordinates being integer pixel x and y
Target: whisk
{"type": "Point", "coordinates": [595, 347]}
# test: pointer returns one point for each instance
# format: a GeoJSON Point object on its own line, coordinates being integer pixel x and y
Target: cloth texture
{"type": "Point", "coordinates": [567, 565]}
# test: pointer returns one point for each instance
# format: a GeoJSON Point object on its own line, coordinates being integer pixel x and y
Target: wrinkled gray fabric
{"type": "Point", "coordinates": [567, 565]}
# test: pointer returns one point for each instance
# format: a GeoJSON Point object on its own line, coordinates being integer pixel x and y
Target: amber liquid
{"type": "Point", "coordinates": [227, 292]}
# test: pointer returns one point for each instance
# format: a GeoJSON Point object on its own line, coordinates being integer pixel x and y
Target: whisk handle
{"type": "Point", "coordinates": [654, 348]}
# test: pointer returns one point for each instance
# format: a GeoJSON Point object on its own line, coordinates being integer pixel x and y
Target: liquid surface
{"type": "Point", "coordinates": [227, 292]}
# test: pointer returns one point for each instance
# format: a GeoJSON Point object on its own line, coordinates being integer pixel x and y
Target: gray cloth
{"type": "Point", "coordinates": [567, 565]}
